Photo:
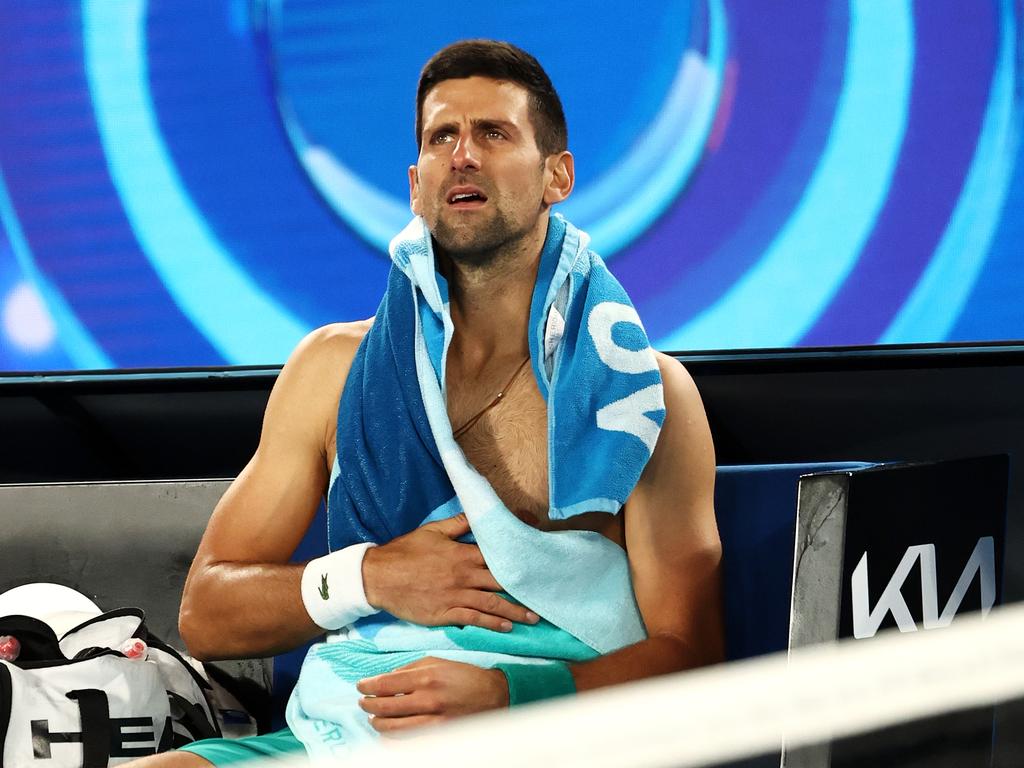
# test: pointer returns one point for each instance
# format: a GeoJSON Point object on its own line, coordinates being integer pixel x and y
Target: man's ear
{"type": "Point", "coordinates": [414, 189]}
{"type": "Point", "coordinates": [563, 177]}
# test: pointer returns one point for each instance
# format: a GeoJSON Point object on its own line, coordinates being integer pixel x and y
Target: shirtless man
{"type": "Point", "coordinates": [487, 117]}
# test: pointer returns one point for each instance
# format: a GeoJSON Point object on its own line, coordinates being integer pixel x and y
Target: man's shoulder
{"type": "Point", "coordinates": [685, 425]}
{"type": "Point", "coordinates": [330, 345]}
{"type": "Point", "coordinates": [675, 378]}
{"type": "Point", "coordinates": [338, 338]}
{"type": "Point", "coordinates": [317, 368]}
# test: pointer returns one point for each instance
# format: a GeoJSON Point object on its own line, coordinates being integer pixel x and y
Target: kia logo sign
{"type": "Point", "coordinates": [866, 620]}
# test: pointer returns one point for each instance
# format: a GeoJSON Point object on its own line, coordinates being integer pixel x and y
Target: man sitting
{"type": "Point", "coordinates": [492, 162]}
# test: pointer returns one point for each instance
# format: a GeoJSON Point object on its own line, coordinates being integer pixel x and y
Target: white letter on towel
{"type": "Point", "coordinates": [602, 319]}
{"type": "Point", "coordinates": [627, 415]}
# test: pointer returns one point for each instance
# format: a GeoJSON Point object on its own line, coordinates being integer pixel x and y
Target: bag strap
{"type": "Point", "coordinates": [95, 742]}
{"type": "Point", "coordinates": [193, 719]}
{"type": "Point", "coordinates": [249, 693]}
{"type": "Point", "coordinates": [6, 695]}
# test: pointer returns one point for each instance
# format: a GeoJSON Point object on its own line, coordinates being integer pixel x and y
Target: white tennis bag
{"type": "Point", "coordinates": [81, 702]}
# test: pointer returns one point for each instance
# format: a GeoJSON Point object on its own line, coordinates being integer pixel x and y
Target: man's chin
{"type": "Point", "coordinates": [468, 244]}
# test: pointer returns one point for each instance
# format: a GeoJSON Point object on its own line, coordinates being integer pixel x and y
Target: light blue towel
{"type": "Point", "coordinates": [399, 466]}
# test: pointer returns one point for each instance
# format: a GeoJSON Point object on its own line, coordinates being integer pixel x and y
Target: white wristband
{"type": "Point", "coordinates": [332, 588]}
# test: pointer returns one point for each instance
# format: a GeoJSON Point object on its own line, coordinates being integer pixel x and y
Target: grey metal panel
{"type": "Point", "coordinates": [119, 543]}
{"type": "Point", "coordinates": [818, 559]}
{"type": "Point", "coordinates": [817, 581]}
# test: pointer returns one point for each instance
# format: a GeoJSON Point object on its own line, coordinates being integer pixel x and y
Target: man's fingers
{"type": "Point", "coordinates": [481, 578]}
{"type": "Point", "coordinates": [391, 726]}
{"type": "Point", "coordinates": [475, 556]}
{"type": "Point", "coordinates": [467, 617]}
{"type": "Point", "coordinates": [391, 683]}
{"type": "Point", "coordinates": [452, 527]}
{"type": "Point", "coordinates": [418, 703]}
{"type": "Point", "coordinates": [492, 604]}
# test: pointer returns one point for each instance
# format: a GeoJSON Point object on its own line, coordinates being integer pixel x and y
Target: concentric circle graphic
{"type": "Point", "coordinates": [193, 183]}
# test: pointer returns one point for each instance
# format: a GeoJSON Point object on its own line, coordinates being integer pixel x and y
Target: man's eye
{"type": "Point", "coordinates": [494, 133]}
{"type": "Point", "coordinates": [441, 138]}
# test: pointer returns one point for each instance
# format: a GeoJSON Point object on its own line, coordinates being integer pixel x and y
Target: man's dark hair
{"type": "Point", "coordinates": [499, 61]}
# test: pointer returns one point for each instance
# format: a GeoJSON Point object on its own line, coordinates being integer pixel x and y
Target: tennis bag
{"type": "Point", "coordinates": [97, 697]}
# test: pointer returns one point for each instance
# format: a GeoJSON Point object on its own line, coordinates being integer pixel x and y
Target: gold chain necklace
{"type": "Point", "coordinates": [497, 399]}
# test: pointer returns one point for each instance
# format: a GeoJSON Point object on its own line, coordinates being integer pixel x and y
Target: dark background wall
{"type": "Point", "coordinates": [904, 403]}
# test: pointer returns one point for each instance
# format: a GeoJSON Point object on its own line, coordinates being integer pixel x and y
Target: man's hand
{"type": "Point", "coordinates": [430, 691]}
{"type": "Point", "coordinates": [427, 578]}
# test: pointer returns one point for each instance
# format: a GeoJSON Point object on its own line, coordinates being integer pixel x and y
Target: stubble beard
{"type": "Point", "coordinates": [483, 245]}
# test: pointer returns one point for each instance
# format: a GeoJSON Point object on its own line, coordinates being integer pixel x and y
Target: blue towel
{"type": "Point", "coordinates": [399, 467]}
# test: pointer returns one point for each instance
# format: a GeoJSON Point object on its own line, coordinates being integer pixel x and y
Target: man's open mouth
{"type": "Point", "coordinates": [466, 197]}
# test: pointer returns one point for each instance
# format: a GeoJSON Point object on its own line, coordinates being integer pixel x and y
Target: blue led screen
{"type": "Point", "coordinates": [195, 182]}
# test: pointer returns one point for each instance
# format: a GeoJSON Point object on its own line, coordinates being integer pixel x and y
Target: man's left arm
{"type": "Point", "coordinates": [673, 546]}
{"type": "Point", "coordinates": [675, 562]}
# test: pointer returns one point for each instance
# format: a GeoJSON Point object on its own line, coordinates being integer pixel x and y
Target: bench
{"type": "Point", "coordinates": [131, 543]}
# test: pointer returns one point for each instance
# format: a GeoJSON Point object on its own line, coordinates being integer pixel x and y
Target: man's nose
{"type": "Point", "coordinates": [465, 155]}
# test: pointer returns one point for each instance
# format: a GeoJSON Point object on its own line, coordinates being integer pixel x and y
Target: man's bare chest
{"type": "Point", "coordinates": [508, 445]}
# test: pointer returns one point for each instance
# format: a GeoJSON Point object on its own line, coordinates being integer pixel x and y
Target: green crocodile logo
{"type": "Point", "coordinates": [324, 593]}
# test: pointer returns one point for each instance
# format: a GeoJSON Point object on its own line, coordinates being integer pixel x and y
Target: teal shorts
{"type": "Point", "coordinates": [280, 744]}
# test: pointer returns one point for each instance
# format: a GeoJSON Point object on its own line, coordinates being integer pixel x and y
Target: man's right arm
{"type": "Point", "coordinates": [242, 596]}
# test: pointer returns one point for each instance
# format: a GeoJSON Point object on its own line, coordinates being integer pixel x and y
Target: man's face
{"type": "Point", "coordinates": [480, 181]}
